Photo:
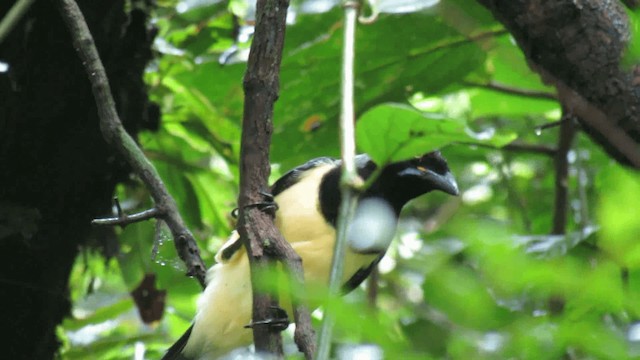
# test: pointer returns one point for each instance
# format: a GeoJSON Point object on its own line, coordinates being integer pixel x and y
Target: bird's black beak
{"type": "Point", "coordinates": [446, 182]}
{"type": "Point", "coordinates": [443, 182]}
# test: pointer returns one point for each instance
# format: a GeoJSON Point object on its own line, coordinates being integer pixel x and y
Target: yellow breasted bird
{"type": "Point", "coordinates": [308, 198]}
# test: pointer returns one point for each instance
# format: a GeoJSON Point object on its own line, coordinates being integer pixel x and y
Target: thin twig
{"type": "Point", "coordinates": [503, 166]}
{"type": "Point", "coordinates": [115, 135]}
{"type": "Point", "coordinates": [583, 178]}
{"type": "Point", "coordinates": [565, 138]}
{"type": "Point", "coordinates": [12, 18]}
{"type": "Point", "coordinates": [124, 219]}
{"type": "Point", "coordinates": [530, 148]}
{"type": "Point", "coordinates": [119, 210]}
{"type": "Point", "coordinates": [548, 126]}
{"type": "Point", "coordinates": [495, 86]}
{"type": "Point", "coordinates": [263, 241]}
{"type": "Point", "coordinates": [373, 286]}
{"type": "Point", "coordinates": [519, 147]}
{"type": "Point", "coordinates": [349, 178]}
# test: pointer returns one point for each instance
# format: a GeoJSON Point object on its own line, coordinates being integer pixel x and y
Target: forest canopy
{"type": "Point", "coordinates": [537, 258]}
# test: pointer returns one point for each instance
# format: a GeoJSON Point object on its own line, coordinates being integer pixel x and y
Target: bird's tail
{"type": "Point", "coordinates": [175, 351]}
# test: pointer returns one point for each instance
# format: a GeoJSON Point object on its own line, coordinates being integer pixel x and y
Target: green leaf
{"type": "Point", "coordinates": [424, 54]}
{"type": "Point", "coordinates": [507, 66]}
{"type": "Point", "coordinates": [460, 293]}
{"type": "Point", "coordinates": [631, 56]}
{"type": "Point", "coordinates": [393, 132]}
{"type": "Point", "coordinates": [137, 241]}
{"type": "Point", "coordinates": [618, 215]}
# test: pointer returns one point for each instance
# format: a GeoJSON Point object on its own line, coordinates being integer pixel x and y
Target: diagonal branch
{"type": "Point", "coordinates": [115, 134]}
{"type": "Point", "coordinates": [582, 48]}
{"type": "Point", "coordinates": [123, 219]}
{"type": "Point", "coordinates": [518, 147]}
{"type": "Point", "coordinates": [495, 86]}
{"type": "Point", "coordinates": [589, 114]}
{"type": "Point", "coordinates": [13, 17]}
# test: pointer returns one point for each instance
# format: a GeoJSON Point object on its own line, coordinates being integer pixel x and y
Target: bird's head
{"type": "Point", "coordinates": [402, 181]}
{"type": "Point", "coordinates": [428, 172]}
{"type": "Point", "coordinates": [374, 223]}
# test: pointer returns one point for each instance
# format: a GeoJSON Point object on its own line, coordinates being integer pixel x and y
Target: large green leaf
{"type": "Point", "coordinates": [393, 132]}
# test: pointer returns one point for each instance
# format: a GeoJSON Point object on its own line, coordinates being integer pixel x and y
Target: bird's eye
{"type": "Point", "coordinates": [422, 168]}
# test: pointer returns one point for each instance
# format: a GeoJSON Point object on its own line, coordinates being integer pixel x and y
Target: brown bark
{"type": "Point", "coordinates": [57, 173]}
{"type": "Point", "coordinates": [116, 135]}
{"type": "Point", "coordinates": [581, 45]}
{"type": "Point", "coordinates": [262, 239]}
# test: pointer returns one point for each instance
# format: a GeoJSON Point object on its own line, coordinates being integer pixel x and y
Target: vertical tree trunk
{"type": "Point", "coordinates": [56, 172]}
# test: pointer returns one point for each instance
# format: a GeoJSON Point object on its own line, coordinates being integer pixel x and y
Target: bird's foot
{"type": "Point", "coordinates": [278, 321]}
{"type": "Point", "coordinates": [268, 205]}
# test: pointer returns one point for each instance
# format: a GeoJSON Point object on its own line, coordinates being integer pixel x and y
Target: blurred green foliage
{"type": "Point", "coordinates": [473, 277]}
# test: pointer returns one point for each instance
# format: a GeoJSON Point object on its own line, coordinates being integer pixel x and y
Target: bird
{"type": "Point", "coordinates": [308, 199]}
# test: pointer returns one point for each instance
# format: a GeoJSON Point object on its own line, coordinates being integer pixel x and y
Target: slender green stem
{"type": "Point", "coordinates": [349, 174]}
{"type": "Point", "coordinates": [12, 18]}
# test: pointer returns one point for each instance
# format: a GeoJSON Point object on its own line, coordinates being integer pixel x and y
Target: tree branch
{"type": "Point", "coordinates": [124, 219]}
{"type": "Point", "coordinates": [495, 86]}
{"type": "Point", "coordinates": [597, 120]}
{"type": "Point", "coordinates": [263, 241]}
{"type": "Point", "coordinates": [548, 125]}
{"type": "Point", "coordinates": [530, 148]}
{"type": "Point", "coordinates": [115, 135]}
{"type": "Point", "coordinates": [504, 169]}
{"type": "Point", "coordinates": [582, 46]}
{"type": "Point", "coordinates": [519, 147]}
{"type": "Point", "coordinates": [14, 16]}
{"type": "Point", "coordinates": [565, 138]}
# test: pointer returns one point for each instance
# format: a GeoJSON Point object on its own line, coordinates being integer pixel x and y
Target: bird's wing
{"type": "Point", "coordinates": [230, 248]}
{"type": "Point", "coordinates": [175, 351]}
{"type": "Point", "coordinates": [293, 176]}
